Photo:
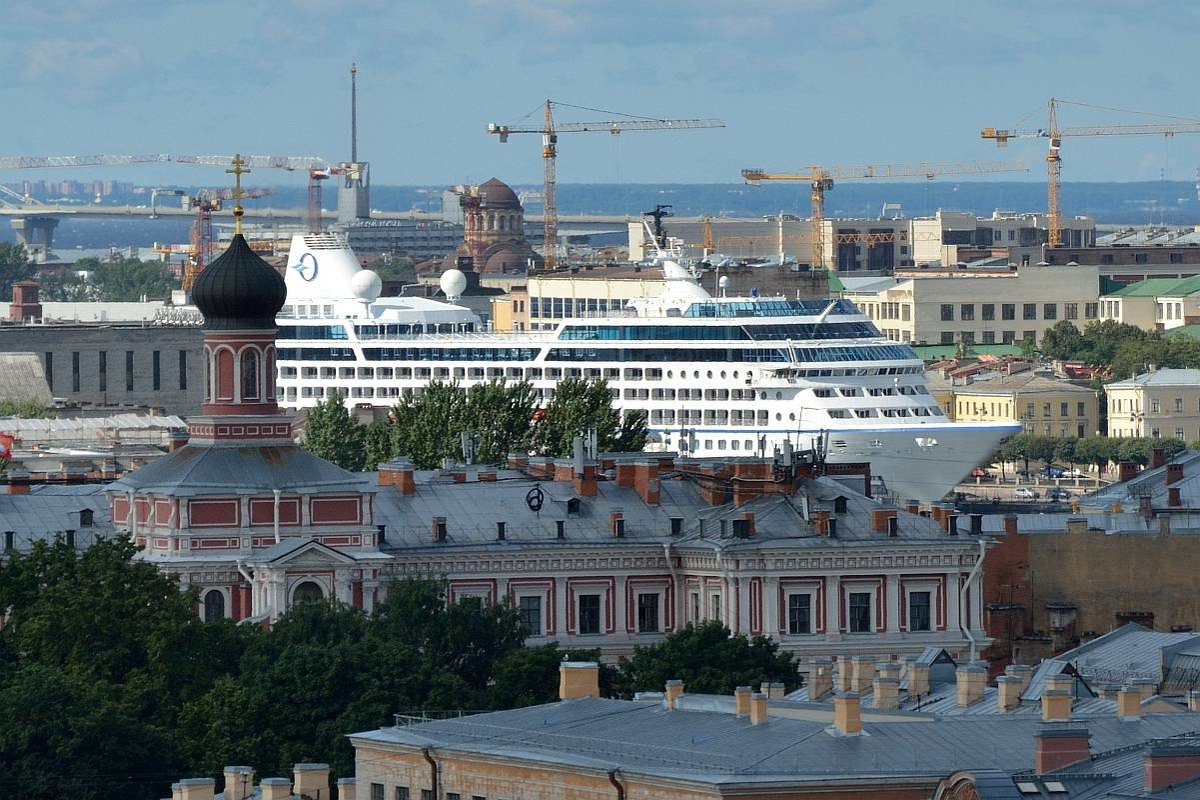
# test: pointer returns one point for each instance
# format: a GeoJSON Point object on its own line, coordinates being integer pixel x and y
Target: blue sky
{"type": "Point", "coordinates": [798, 82]}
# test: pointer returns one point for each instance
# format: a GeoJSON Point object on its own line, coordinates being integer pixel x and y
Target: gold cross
{"type": "Point", "coordinates": [239, 169]}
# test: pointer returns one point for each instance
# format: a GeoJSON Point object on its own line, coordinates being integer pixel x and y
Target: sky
{"type": "Point", "coordinates": [797, 82]}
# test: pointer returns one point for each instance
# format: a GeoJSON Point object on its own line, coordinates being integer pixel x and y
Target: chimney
{"type": "Point", "coordinates": [18, 478]}
{"type": "Point", "coordinates": [1157, 457]}
{"type": "Point", "coordinates": [758, 708]}
{"type": "Point", "coordinates": [741, 701]}
{"type": "Point", "coordinates": [398, 474]}
{"type": "Point", "coordinates": [1056, 705]}
{"type": "Point", "coordinates": [518, 461]}
{"type": "Point", "coordinates": [239, 782]}
{"type": "Point", "coordinates": [625, 473]}
{"type": "Point", "coordinates": [617, 522]}
{"type": "Point", "coordinates": [887, 686]}
{"type": "Point", "coordinates": [971, 680]}
{"type": "Point", "coordinates": [674, 692]}
{"type": "Point", "coordinates": [1125, 471]}
{"type": "Point", "coordinates": [1168, 763]}
{"type": "Point", "coordinates": [1145, 505]}
{"type": "Point", "coordinates": [1022, 671]}
{"type": "Point", "coordinates": [1058, 746]}
{"type": "Point", "coordinates": [1193, 700]}
{"type": "Point", "coordinates": [912, 506]}
{"type": "Point", "coordinates": [1008, 692]}
{"type": "Point", "coordinates": [918, 679]}
{"type": "Point", "coordinates": [197, 789]}
{"type": "Point", "coordinates": [820, 678]}
{"type": "Point", "coordinates": [438, 528]}
{"type": "Point", "coordinates": [1010, 524]}
{"type": "Point", "coordinates": [347, 789]}
{"type": "Point", "coordinates": [1147, 687]}
{"type": "Point", "coordinates": [176, 792]}
{"type": "Point", "coordinates": [844, 672]}
{"type": "Point", "coordinates": [880, 517]}
{"type": "Point", "coordinates": [584, 481]}
{"type": "Point", "coordinates": [776, 690]}
{"type": "Point", "coordinates": [176, 440]}
{"type": "Point", "coordinates": [578, 679]}
{"type": "Point", "coordinates": [275, 788]}
{"type": "Point", "coordinates": [1173, 498]}
{"type": "Point", "coordinates": [862, 670]}
{"type": "Point", "coordinates": [821, 521]}
{"type": "Point", "coordinates": [847, 714]}
{"type": "Point", "coordinates": [486, 476]}
{"type": "Point", "coordinates": [1129, 703]}
{"type": "Point", "coordinates": [311, 780]}
{"type": "Point", "coordinates": [1061, 681]}
{"type": "Point", "coordinates": [646, 482]}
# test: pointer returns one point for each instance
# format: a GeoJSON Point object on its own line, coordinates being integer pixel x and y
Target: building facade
{"type": "Point", "coordinates": [1045, 406]}
{"type": "Point", "coordinates": [1163, 403]}
{"type": "Point", "coordinates": [1156, 304]}
{"type": "Point", "coordinates": [979, 307]}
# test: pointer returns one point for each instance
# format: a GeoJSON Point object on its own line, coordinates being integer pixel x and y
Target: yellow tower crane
{"type": "Point", "coordinates": [1055, 135]}
{"type": "Point", "coordinates": [549, 133]}
{"type": "Point", "coordinates": [821, 180]}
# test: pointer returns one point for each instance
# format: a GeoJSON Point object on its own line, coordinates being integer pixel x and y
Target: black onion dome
{"type": "Point", "coordinates": [238, 290]}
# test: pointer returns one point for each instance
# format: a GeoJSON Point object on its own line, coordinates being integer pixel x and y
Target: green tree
{"type": "Point", "coordinates": [1065, 450]}
{"type": "Point", "coordinates": [129, 280]}
{"type": "Point", "coordinates": [377, 444]}
{"type": "Point", "coordinates": [1042, 448]}
{"type": "Point", "coordinates": [579, 406]}
{"type": "Point", "coordinates": [1020, 447]}
{"type": "Point", "coordinates": [1097, 450]}
{"type": "Point", "coordinates": [28, 409]}
{"type": "Point", "coordinates": [1063, 341]}
{"type": "Point", "coordinates": [332, 433]}
{"type": "Point", "coordinates": [14, 266]}
{"type": "Point", "coordinates": [426, 429]}
{"type": "Point", "coordinates": [529, 675]}
{"type": "Point", "coordinates": [708, 659]}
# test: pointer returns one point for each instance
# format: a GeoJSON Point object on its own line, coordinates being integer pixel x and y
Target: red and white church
{"type": "Point", "coordinates": [241, 512]}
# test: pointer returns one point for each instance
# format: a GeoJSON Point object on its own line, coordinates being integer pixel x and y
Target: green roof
{"type": "Point", "coordinates": [835, 283]}
{"type": "Point", "coordinates": [937, 352]}
{"type": "Point", "coordinates": [1190, 331]}
{"type": "Point", "coordinates": [1159, 287]}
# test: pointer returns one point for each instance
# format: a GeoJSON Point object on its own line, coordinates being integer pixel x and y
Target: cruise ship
{"type": "Point", "coordinates": [715, 376]}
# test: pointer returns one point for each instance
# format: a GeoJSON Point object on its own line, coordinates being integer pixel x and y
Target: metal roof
{"type": "Point", "coordinates": [22, 378]}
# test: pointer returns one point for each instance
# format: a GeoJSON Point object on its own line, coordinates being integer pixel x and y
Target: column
{"type": "Point", "coordinates": [833, 604]}
{"type": "Point", "coordinates": [952, 586]}
{"type": "Point", "coordinates": [341, 586]}
{"type": "Point", "coordinates": [368, 595]}
{"type": "Point", "coordinates": [892, 602]}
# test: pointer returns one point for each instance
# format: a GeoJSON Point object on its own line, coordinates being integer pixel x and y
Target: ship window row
{"type": "Point", "coordinates": [871, 413]}
{"type": "Point", "coordinates": [450, 353]}
{"type": "Point", "coordinates": [391, 330]}
{"type": "Point", "coordinates": [292, 393]}
{"type": "Point", "coordinates": [306, 312]}
{"type": "Point", "coordinates": [312, 332]}
{"type": "Point", "coordinates": [769, 307]}
{"type": "Point", "coordinates": [566, 307]}
{"type": "Point", "coordinates": [802, 331]}
{"type": "Point", "coordinates": [747, 355]}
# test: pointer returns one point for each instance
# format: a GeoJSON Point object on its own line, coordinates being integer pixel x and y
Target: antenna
{"type": "Point", "coordinates": [353, 113]}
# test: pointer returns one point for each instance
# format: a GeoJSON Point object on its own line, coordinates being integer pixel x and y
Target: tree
{"type": "Point", "coordinates": [579, 406]}
{"type": "Point", "coordinates": [14, 266]}
{"type": "Point", "coordinates": [1019, 447]}
{"type": "Point", "coordinates": [1097, 450]}
{"type": "Point", "coordinates": [1063, 341]}
{"type": "Point", "coordinates": [529, 676]}
{"type": "Point", "coordinates": [708, 659]}
{"type": "Point", "coordinates": [377, 444]}
{"type": "Point", "coordinates": [1042, 448]}
{"type": "Point", "coordinates": [28, 409]}
{"type": "Point", "coordinates": [333, 434]}
{"type": "Point", "coordinates": [1065, 450]}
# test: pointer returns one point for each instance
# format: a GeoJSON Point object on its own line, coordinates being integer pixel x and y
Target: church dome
{"type": "Point", "coordinates": [238, 290]}
{"type": "Point", "coordinates": [498, 194]}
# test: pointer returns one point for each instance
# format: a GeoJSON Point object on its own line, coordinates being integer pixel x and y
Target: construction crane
{"type": "Point", "coordinates": [549, 133]}
{"type": "Point", "coordinates": [1055, 135]}
{"type": "Point", "coordinates": [50, 162]}
{"type": "Point", "coordinates": [318, 170]}
{"type": "Point", "coordinates": [821, 180]}
{"type": "Point", "coordinates": [205, 202]}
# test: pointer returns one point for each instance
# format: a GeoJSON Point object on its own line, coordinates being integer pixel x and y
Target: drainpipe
{"type": "Point", "coordinates": [276, 514]}
{"type": "Point", "coordinates": [132, 515]}
{"type": "Point", "coordinates": [433, 772]}
{"type": "Point", "coordinates": [675, 593]}
{"type": "Point", "coordinates": [962, 599]}
{"type": "Point", "coordinates": [612, 778]}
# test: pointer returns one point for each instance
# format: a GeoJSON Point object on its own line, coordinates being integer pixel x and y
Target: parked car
{"type": "Point", "coordinates": [1025, 493]}
{"type": "Point", "coordinates": [980, 472]}
{"type": "Point", "coordinates": [1058, 493]}
{"type": "Point", "coordinates": [1074, 473]}
{"type": "Point", "coordinates": [1054, 472]}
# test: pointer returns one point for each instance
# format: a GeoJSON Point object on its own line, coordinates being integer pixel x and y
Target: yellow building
{"type": "Point", "coordinates": [1044, 406]}
{"type": "Point", "coordinates": [1163, 403]}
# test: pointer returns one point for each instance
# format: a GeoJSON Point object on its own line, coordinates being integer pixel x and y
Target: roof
{"type": "Point", "coordinates": [1159, 287]}
{"type": "Point", "coordinates": [41, 515]}
{"type": "Point", "coordinates": [1024, 383]}
{"type": "Point", "coordinates": [716, 748]}
{"type": "Point", "coordinates": [201, 470]}
{"type": "Point", "coordinates": [1160, 377]}
{"type": "Point", "coordinates": [1131, 652]}
{"type": "Point", "coordinates": [239, 291]}
{"type": "Point", "coordinates": [937, 352]}
{"type": "Point", "coordinates": [22, 378]}
{"type": "Point", "coordinates": [1153, 483]}
{"type": "Point", "coordinates": [498, 194]}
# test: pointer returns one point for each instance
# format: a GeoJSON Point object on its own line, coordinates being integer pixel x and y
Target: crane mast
{"type": "Point", "coordinates": [549, 190]}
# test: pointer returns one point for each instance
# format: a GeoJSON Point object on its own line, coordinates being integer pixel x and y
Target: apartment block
{"type": "Point", "coordinates": [1161, 403]}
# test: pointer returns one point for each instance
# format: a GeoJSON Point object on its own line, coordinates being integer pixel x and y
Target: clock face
{"type": "Point", "coordinates": [307, 268]}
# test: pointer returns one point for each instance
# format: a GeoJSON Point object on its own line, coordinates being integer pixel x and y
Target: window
{"type": "Point", "coordinates": [988, 311]}
{"type": "Point", "coordinates": [1063, 409]}
{"type": "Point", "coordinates": [947, 337]}
{"type": "Point", "coordinates": [129, 370]}
{"type": "Point", "coordinates": [1176, 258]}
{"type": "Point", "coordinates": [947, 312]}
{"type": "Point", "coordinates": [156, 370]}
{"type": "Point", "coordinates": [1045, 409]}
{"type": "Point", "coordinates": [647, 612]}
{"type": "Point", "coordinates": [1155, 406]}
{"type": "Point", "coordinates": [529, 609]}
{"type": "Point", "coordinates": [75, 371]}
{"type": "Point", "coordinates": [1008, 311]}
{"type": "Point", "coordinates": [989, 337]}
{"type": "Point", "coordinates": [402, 793]}
{"type": "Point", "coordinates": [50, 370]}
{"type": "Point", "coordinates": [453, 796]}
{"type": "Point", "coordinates": [1070, 310]}
{"type": "Point", "coordinates": [1081, 409]}
{"type": "Point", "coordinates": [214, 605]}
{"type": "Point", "coordinates": [714, 606]}
{"type": "Point", "coordinates": [1029, 311]}
{"type": "Point", "coordinates": [250, 375]}
{"type": "Point", "coordinates": [918, 611]}
{"type": "Point", "coordinates": [799, 614]}
{"type": "Point", "coordinates": [1141, 258]}
{"type": "Point", "coordinates": [966, 312]}
{"type": "Point", "coordinates": [426, 794]}
{"type": "Point", "coordinates": [860, 612]}
{"type": "Point", "coordinates": [182, 370]}
{"type": "Point", "coordinates": [376, 791]}
{"type": "Point", "coordinates": [102, 368]}
{"type": "Point", "coordinates": [1049, 311]}
{"type": "Point", "coordinates": [589, 613]}
{"type": "Point", "coordinates": [1009, 337]}
{"type": "Point", "coordinates": [1178, 405]}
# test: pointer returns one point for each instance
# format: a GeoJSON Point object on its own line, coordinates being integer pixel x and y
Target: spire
{"type": "Point", "coordinates": [239, 169]}
{"type": "Point", "coordinates": [353, 113]}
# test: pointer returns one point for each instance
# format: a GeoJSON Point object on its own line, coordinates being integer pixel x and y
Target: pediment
{"type": "Point", "coordinates": [309, 553]}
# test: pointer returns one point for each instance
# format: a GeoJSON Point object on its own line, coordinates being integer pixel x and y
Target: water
{"type": "Point", "coordinates": [93, 232]}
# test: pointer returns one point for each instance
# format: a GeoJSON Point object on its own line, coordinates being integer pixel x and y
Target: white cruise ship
{"type": "Point", "coordinates": [716, 376]}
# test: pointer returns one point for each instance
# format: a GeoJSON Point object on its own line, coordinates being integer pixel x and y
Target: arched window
{"type": "Point", "coordinates": [207, 376]}
{"type": "Point", "coordinates": [224, 378]}
{"type": "Point", "coordinates": [503, 222]}
{"type": "Point", "coordinates": [308, 591]}
{"type": "Point", "coordinates": [250, 374]}
{"type": "Point", "coordinates": [214, 605]}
